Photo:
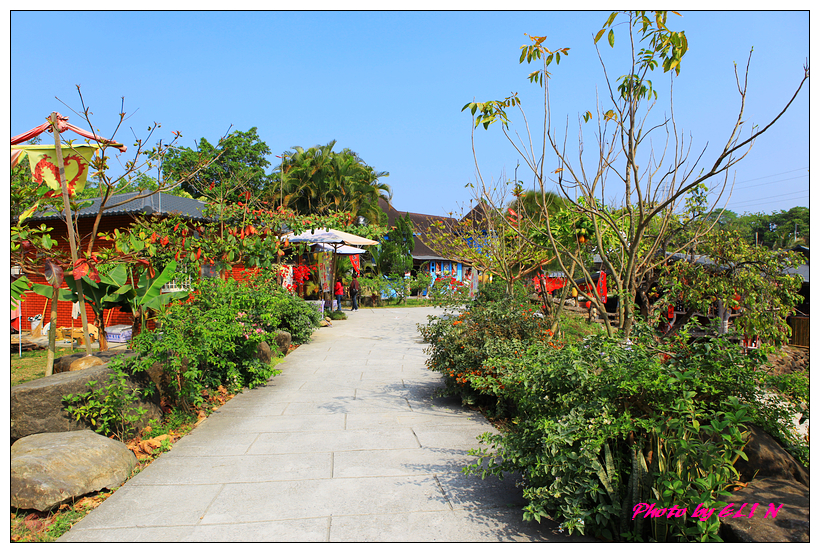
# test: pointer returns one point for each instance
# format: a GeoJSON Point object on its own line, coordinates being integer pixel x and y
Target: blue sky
{"type": "Point", "coordinates": [391, 85]}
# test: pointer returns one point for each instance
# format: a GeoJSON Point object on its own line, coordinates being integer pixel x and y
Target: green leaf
{"type": "Point", "coordinates": [28, 213]}
{"type": "Point", "coordinates": [18, 288]}
{"type": "Point", "coordinates": [611, 38]}
{"type": "Point", "coordinates": [42, 289]}
{"type": "Point", "coordinates": [599, 35]}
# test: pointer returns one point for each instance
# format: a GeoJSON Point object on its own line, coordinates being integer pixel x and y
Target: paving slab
{"type": "Point", "coordinates": [350, 443]}
{"type": "Point", "coordinates": [237, 422]}
{"type": "Point", "coordinates": [237, 469]}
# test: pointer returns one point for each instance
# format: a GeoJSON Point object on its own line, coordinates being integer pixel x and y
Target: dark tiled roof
{"type": "Point", "coordinates": [158, 203]}
{"type": "Point", "coordinates": [802, 270]}
{"type": "Point", "coordinates": [478, 215]}
{"type": "Point", "coordinates": [421, 224]}
{"type": "Point", "coordinates": [804, 250]}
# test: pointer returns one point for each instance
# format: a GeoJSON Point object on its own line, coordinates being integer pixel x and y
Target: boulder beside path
{"type": "Point", "coordinates": [781, 515]}
{"type": "Point", "coordinates": [47, 469]}
{"type": "Point", "coordinates": [37, 406]}
{"type": "Point", "coordinates": [774, 504]}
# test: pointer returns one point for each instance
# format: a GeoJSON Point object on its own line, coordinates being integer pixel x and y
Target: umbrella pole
{"type": "Point", "coordinates": [333, 280]}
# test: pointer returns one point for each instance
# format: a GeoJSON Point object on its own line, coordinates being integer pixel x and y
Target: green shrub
{"type": "Point", "coordinates": [449, 292]}
{"type": "Point", "coordinates": [336, 315]}
{"type": "Point", "coordinates": [270, 307]}
{"type": "Point", "coordinates": [461, 341]}
{"type": "Point", "coordinates": [602, 425]}
{"type": "Point", "coordinates": [212, 339]}
{"type": "Point", "coordinates": [599, 425]}
{"type": "Point", "coordinates": [109, 409]}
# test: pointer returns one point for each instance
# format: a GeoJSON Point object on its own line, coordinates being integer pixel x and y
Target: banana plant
{"type": "Point", "coordinates": [114, 290]}
{"type": "Point", "coordinates": [147, 295]}
{"type": "Point", "coordinates": [111, 291]}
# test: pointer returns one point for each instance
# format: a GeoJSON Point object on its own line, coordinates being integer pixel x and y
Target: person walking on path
{"type": "Point", "coordinates": [339, 292]}
{"type": "Point", "coordinates": [354, 293]}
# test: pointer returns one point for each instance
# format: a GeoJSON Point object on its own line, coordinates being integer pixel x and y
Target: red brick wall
{"type": "Point", "coordinates": [34, 304]}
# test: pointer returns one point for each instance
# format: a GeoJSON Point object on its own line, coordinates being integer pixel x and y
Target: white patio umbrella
{"type": "Point", "coordinates": [341, 250]}
{"type": "Point", "coordinates": [330, 236]}
{"type": "Point", "coordinates": [336, 239]}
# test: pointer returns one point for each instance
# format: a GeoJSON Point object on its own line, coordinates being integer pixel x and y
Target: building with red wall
{"type": "Point", "coordinates": [120, 217]}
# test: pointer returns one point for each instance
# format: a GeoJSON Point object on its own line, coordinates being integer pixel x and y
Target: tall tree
{"type": "Point", "coordinates": [319, 180]}
{"type": "Point", "coordinates": [302, 174]}
{"type": "Point", "coordinates": [240, 161]}
{"type": "Point", "coordinates": [396, 250]}
{"type": "Point", "coordinates": [780, 229]}
{"type": "Point", "coordinates": [652, 183]}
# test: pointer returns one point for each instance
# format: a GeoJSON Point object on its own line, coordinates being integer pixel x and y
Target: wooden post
{"type": "Point", "coordinates": [52, 332]}
{"type": "Point", "coordinates": [70, 224]}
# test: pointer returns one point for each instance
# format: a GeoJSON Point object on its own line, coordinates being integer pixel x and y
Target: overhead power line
{"type": "Point", "coordinates": [767, 200]}
{"type": "Point", "coordinates": [775, 175]}
{"type": "Point", "coordinates": [768, 183]}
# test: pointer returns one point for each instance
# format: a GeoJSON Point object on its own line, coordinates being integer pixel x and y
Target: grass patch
{"type": "Point", "coordinates": [36, 526]}
{"type": "Point", "coordinates": [32, 365]}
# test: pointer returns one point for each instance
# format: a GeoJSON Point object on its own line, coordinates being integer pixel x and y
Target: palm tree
{"type": "Point", "coordinates": [319, 180]}
{"type": "Point", "coordinates": [303, 172]}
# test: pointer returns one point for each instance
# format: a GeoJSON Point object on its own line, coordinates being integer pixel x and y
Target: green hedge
{"type": "Point", "coordinates": [212, 339]}
{"type": "Point", "coordinates": [600, 425]}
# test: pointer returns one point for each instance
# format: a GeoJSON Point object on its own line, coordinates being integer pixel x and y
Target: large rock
{"type": "Point", "coordinates": [768, 459]}
{"type": "Point", "coordinates": [790, 524]}
{"type": "Point", "coordinates": [37, 406]}
{"type": "Point", "coordinates": [788, 360]}
{"type": "Point", "coordinates": [63, 364]}
{"type": "Point", "coordinates": [47, 469]}
{"type": "Point", "coordinates": [283, 340]}
{"type": "Point", "coordinates": [264, 353]}
{"type": "Point", "coordinates": [86, 363]}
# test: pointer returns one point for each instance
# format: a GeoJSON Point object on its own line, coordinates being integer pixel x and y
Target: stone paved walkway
{"type": "Point", "coordinates": [348, 444]}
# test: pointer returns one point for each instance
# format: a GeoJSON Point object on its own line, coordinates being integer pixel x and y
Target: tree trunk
{"type": "Point", "coordinates": [70, 224]}
{"type": "Point", "coordinates": [723, 313]}
{"type": "Point", "coordinates": [101, 331]}
{"type": "Point", "coordinates": [52, 333]}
